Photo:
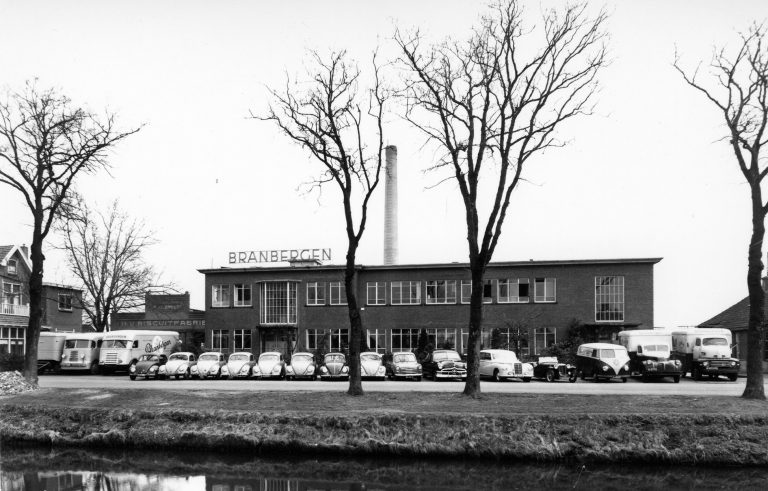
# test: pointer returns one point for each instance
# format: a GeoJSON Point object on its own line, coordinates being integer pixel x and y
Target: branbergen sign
{"type": "Point", "coordinates": [281, 255]}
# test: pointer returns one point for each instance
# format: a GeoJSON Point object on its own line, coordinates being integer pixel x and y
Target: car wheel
{"type": "Point", "coordinates": [645, 377]}
{"type": "Point", "coordinates": [550, 376]}
{"type": "Point", "coordinates": [526, 379]}
{"type": "Point", "coordinates": [581, 375]}
{"type": "Point", "coordinates": [572, 377]}
{"type": "Point", "coordinates": [132, 377]}
{"type": "Point", "coordinates": [676, 378]}
{"type": "Point", "coordinates": [732, 377]}
{"type": "Point", "coordinates": [94, 369]}
{"type": "Point", "coordinates": [418, 379]}
{"type": "Point", "coordinates": [496, 376]}
{"type": "Point", "coordinates": [696, 373]}
{"type": "Point", "coordinates": [624, 379]}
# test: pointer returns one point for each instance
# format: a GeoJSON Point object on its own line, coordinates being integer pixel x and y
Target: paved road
{"type": "Point", "coordinates": [685, 387]}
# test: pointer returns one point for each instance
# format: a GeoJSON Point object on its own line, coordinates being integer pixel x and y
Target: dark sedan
{"type": "Point", "coordinates": [147, 366]}
{"type": "Point", "coordinates": [444, 364]}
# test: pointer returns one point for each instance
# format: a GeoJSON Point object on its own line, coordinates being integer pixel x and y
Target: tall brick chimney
{"type": "Point", "coordinates": [390, 206]}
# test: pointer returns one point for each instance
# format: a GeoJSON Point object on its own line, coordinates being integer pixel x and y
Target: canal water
{"type": "Point", "coordinates": [36, 469]}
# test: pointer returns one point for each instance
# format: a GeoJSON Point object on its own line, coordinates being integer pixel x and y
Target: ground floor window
{"type": "Point", "coordinates": [243, 340]}
{"type": "Point", "coordinates": [405, 339]}
{"type": "Point", "coordinates": [442, 338]}
{"type": "Point", "coordinates": [377, 340]}
{"type": "Point", "coordinates": [543, 337]}
{"type": "Point", "coordinates": [315, 338]}
{"type": "Point", "coordinates": [485, 340]}
{"type": "Point", "coordinates": [219, 340]}
{"type": "Point", "coordinates": [12, 340]}
{"type": "Point", "coordinates": [339, 339]}
{"type": "Point", "coordinates": [511, 338]}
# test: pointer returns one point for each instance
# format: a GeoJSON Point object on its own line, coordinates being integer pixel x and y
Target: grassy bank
{"type": "Point", "coordinates": [544, 428]}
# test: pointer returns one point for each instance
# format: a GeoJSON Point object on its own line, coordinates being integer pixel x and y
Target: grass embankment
{"type": "Point", "coordinates": [720, 430]}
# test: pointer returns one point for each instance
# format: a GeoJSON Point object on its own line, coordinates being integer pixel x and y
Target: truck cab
{"type": "Point", "coordinates": [706, 351]}
{"type": "Point", "coordinates": [81, 352]}
{"type": "Point", "coordinates": [650, 354]}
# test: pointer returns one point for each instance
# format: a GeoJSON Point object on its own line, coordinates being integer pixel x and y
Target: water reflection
{"type": "Point", "coordinates": [34, 469]}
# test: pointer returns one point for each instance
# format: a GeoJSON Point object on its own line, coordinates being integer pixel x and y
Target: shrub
{"type": "Point", "coordinates": [11, 361]}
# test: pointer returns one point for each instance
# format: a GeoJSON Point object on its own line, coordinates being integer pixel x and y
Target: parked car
{"type": "Point", "coordinates": [602, 361]}
{"type": "Point", "coordinates": [302, 366]}
{"type": "Point", "coordinates": [239, 365]}
{"type": "Point", "coordinates": [444, 364]}
{"type": "Point", "coordinates": [147, 366]}
{"type": "Point", "coordinates": [372, 366]}
{"type": "Point", "coordinates": [178, 365]}
{"type": "Point", "coordinates": [209, 365]}
{"type": "Point", "coordinates": [271, 365]}
{"type": "Point", "coordinates": [334, 367]}
{"type": "Point", "coordinates": [403, 365]}
{"type": "Point", "coordinates": [502, 364]}
{"type": "Point", "coordinates": [550, 369]}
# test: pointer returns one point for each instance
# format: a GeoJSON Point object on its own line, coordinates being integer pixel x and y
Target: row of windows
{"type": "Point", "coordinates": [12, 340]}
{"type": "Point", "coordinates": [279, 298]}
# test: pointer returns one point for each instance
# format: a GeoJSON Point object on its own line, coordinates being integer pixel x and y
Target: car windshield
{"type": "Point", "coordinates": [505, 357]}
{"type": "Point", "coordinates": [607, 353]}
{"type": "Point", "coordinates": [656, 347]}
{"type": "Point", "coordinates": [715, 342]}
{"type": "Point", "coordinates": [268, 358]}
{"type": "Point", "coordinates": [209, 357]}
{"type": "Point", "coordinates": [148, 358]}
{"type": "Point", "coordinates": [77, 343]}
{"type": "Point", "coordinates": [115, 343]}
{"type": "Point", "coordinates": [238, 357]}
{"type": "Point", "coordinates": [178, 356]}
{"type": "Point", "coordinates": [304, 358]}
{"type": "Point", "coordinates": [334, 358]}
{"type": "Point", "coordinates": [369, 357]}
{"type": "Point", "coordinates": [446, 356]}
{"type": "Point", "coordinates": [405, 358]}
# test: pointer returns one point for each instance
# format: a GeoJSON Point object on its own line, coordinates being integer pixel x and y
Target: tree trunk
{"type": "Point", "coordinates": [355, 324]}
{"type": "Point", "coordinates": [472, 386]}
{"type": "Point", "coordinates": [35, 303]}
{"type": "Point", "coordinates": [755, 386]}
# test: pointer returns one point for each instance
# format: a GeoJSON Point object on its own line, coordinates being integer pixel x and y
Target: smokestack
{"type": "Point", "coordinates": [390, 206]}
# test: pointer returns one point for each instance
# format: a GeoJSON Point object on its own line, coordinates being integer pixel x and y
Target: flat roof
{"type": "Point", "coordinates": [457, 265]}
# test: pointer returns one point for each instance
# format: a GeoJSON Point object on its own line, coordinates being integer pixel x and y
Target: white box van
{"type": "Point", "coordinates": [121, 349]}
{"type": "Point", "coordinates": [50, 345]}
{"type": "Point", "coordinates": [705, 351]}
{"type": "Point", "coordinates": [81, 352]}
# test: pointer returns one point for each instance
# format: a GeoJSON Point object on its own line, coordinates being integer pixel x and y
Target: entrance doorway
{"type": "Point", "coordinates": [280, 340]}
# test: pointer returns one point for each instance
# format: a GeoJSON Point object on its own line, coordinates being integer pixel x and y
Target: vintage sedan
{"type": "Point", "coordinates": [239, 365]}
{"type": "Point", "coordinates": [550, 369]}
{"type": "Point", "coordinates": [602, 361]}
{"type": "Point", "coordinates": [404, 365]}
{"type": "Point", "coordinates": [302, 366]}
{"type": "Point", "coordinates": [372, 367]}
{"type": "Point", "coordinates": [334, 367]}
{"type": "Point", "coordinates": [147, 366]}
{"type": "Point", "coordinates": [178, 365]}
{"type": "Point", "coordinates": [209, 365]}
{"type": "Point", "coordinates": [271, 365]}
{"type": "Point", "coordinates": [502, 364]}
{"type": "Point", "coordinates": [444, 364]}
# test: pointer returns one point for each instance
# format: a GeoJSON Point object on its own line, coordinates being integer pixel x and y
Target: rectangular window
{"type": "Point", "coordinates": [609, 298]}
{"type": "Point", "coordinates": [339, 339]}
{"type": "Point", "coordinates": [485, 340]}
{"type": "Point", "coordinates": [513, 290]}
{"type": "Point", "coordinates": [12, 340]}
{"type": "Point", "coordinates": [220, 296]}
{"type": "Point", "coordinates": [12, 293]}
{"type": "Point", "coordinates": [441, 292]}
{"type": "Point", "coordinates": [442, 338]}
{"type": "Point", "coordinates": [219, 340]}
{"type": "Point", "coordinates": [405, 339]}
{"type": "Point", "coordinates": [243, 295]}
{"type": "Point", "coordinates": [466, 291]}
{"type": "Point", "coordinates": [377, 340]}
{"type": "Point", "coordinates": [543, 337]}
{"type": "Point", "coordinates": [405, 293]}
{"type": "Point", "coordinates": [544, 290]}
{"type": "Point", "coordinates": [65, 302]}
{"type": "Point", "coordinates": [315, 339]}
{"type": "Point", "coordinates": [315, 293]}
{"type": "Point", "coordinates": [11, 266]}
{"type": "Point", "coordinates": [338, 293]}
{"type": "Point", "coordinates": [376, 293]}
{"type": "Point", "coordinates": [243, 340]}
{"type": "Point", "coordinates": [278, 302]}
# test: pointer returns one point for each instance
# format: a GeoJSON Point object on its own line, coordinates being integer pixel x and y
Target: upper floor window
{"type": "Point", "coordinates": [338, 293]}
{"type": "Point", "coordinates": [514, 290]}
{"type": "Point", "coordinates": [405, 292]}
{"type": "Point", "coordinates": [278, 302]}
{"type": "Point", "coordinates": [11, 268]}
{"type": "Point", "coordinates": [315, 293]}
{"type": "Point", "coordinates": [65, 302]}
{"type": "Point", "coordinates": [441, 291]}
{"type": "Point", "coordinates": [466, 291]}
{"type": "Point", "coordinates": [544, 290]}
{"type": "Point", "coordinates": [609, 298]}
{"type": "Point", "coordinates": [243, 295]}
{"type": "Point", "coordinates": [376, 293]}
{"type": "Point", "coordinates": [12, 293]}
{"type": "Point", "coordinates": [220, 296]}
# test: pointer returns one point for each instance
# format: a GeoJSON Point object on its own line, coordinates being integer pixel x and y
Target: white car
{"type": "Point", "coordinates": [271, 365]}
{"type": "Point", "coordinates": [239, 365]}
{"type": "Point", "coordinates": [501, 364]}
{"type": "Point", "coordinates": [302, 366]}
{"type": "Point", "coordinates": [371, 366]}
{"type": "Point", "coordinates": [209, 365]}
{"type": "Point", "coordinates": [178, 365]}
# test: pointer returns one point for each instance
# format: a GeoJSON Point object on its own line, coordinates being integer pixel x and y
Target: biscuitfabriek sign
{"type": "Point", "coordinates": [279, 255]}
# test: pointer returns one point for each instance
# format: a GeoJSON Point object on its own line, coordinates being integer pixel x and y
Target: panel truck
{"type": "Point", "coordinates": [81, 352]}
{"type": "Point", "coordinates": [650, 354]}
{"type": "Point", "coordinates": [705, 351]}
{"type": "Point", "coordinates": [121, 349]}
{"type": "Point", "coordinates": [49, 349]}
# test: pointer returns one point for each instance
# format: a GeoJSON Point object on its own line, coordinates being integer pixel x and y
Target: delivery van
{"type": "Point", "coordinates": [121, 349]}
{"type": "Point", "coordinates": [81, 352]}
{"type": "Point", "coordinates": [50, 346]}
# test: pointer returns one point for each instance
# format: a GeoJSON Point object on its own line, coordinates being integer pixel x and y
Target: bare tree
{"type": "Point", "coordinates": [45, 143]}
{"type": "Point", "coordinates": [105, 253]}
{"type": "Point", "coordinates": [491, 103]}
{"type": "Point", "coordinates": [333, 119]}
{"type": "Point", "coordinates": [738, 88]}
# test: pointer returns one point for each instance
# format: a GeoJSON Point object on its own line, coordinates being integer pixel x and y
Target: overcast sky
{"type": "Point", "coordinates": [644, 177]}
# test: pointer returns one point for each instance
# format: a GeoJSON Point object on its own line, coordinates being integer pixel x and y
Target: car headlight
{"type": "Point", "coordinates": [439, 365]}
{"type": "Point", "coordinates": [311, 369]}
{"type": "Point", "coordinates": [133, 368]}
{"type": "Point", "coordinates": [345, 369]}
{"type": "Point", "coordinates": [626, 366]}
{"type": "Point", "coordinates": [705, 364]}
{"type": "Point", "coordinates": [733, 363]}
{"type": "Point", "coordinates": [244, 370]}
{"type": "Point", "coordinates": [276, 369]}
{"type": "Point", "coordinates": [121, 361]}
{"type": "Point", "coordinates": [181, 369]}
{"type": "Point", "coordinates": [153, 368]}
{"type": "Point", "coordinates": [418, 367]}
{"type": "Point", "coordinates": [213, 370]}
{"type": "Point", "coordinates": [323, 370]}
{"type": "Point", "coordinates": [605, 368]}
{"type": "Point", "coordinates": [382, 370]}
